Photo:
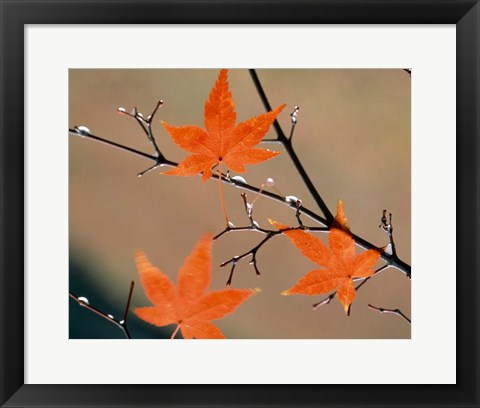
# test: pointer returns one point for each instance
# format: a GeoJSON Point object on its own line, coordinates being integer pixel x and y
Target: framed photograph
{"type": "Point", "coordinates": [183, 169]}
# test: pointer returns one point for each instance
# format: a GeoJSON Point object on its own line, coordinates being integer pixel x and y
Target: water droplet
{"type": "Point", "coordinates": [83, 130]}
{"type": "Point", "coordinates": [111, 316]}
{"type": "Point", "coordinates": [83, 299]}
{"type": "Point", "coordinates": [239, 179]}
{"type": "Point", "coordinates": [388, 249]}
{"type": "Point", "coordinates": [291, 199]}
{"type": "Point", "coordinates": [121, 109]}
{"type": "Point", "coordinates": [294, 114]}
{"type": "Point", "coordinates": [270, 182]}
{"type": "Point", "coordinates": [122, 321]}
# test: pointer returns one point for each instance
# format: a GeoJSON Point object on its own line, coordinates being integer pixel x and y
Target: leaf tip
{"type": "Point", "coordinates": [139, 254]}
{"type": "Point", "coordinates": [279, 108]}
{"type": "Point", "coordinates": [279, 226]}
{"type": "Point", "coordinates": [286, 293]}
{"type": "Point", "coordinates": [340, 221]}
{"type": "Point", "coordinates": [207, 238]}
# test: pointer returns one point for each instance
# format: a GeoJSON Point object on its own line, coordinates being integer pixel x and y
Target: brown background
{"type": "Point", "coordinates": [353, 138]}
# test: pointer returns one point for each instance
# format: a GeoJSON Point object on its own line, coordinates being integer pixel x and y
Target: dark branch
{"type": "Point", "coordinates": [286, 142]}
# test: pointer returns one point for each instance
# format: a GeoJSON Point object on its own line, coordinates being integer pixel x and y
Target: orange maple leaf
{"type": "Point", "coordinates": [188, 305]}
{"type": "Point", "coordinates": [221, 141]}
{"type": "Point", "coordinates": [340, 261]}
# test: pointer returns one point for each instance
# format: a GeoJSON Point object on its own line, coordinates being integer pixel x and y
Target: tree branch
{"type": "Point", "coordinates": [287, 144]}
{"type": "Point", "coordinates": [121, 324]}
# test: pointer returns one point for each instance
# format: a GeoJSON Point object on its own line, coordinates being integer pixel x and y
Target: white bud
{"type": "Point", "coordinates": [270, 182]}
{"type": "Point", "coordinates": [83, 299]}
{"type": "Point", "coordinates": [83, 130]}
{"type": "Point", "coordinates": [388, 249]}
{"type": "Point", "coordinates": [239, 179]}
{"type": "Point", "coordinates": [292, 199]}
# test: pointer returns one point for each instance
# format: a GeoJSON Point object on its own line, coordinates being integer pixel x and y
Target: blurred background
{"type": "Point", "coordinates": [353, 138]}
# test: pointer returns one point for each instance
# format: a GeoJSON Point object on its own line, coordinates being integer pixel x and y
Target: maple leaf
{"type": "Point", "coordinates": [221, 141]}
{"type": "Point", "coordinates": [340, 262]}
{"type": "Point", "coordinates": [188, 304]}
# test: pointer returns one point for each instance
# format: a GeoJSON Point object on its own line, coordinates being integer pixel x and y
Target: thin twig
{"type": "Point", "coordinates": [254, 226]}
{"type": "Point", "coordinates": [325, 301]}
{"type": "Point", "coordinates": [127, 306]}
{"type": "Point", "coordinates": [146, 125]}
{"type": "Point", "coordinates": [252, 252]}
{"type": "Point", "coordinates": [397, 312]}
{"type": "Point", "coordinates": [121, 324]}
{"type": "Point", "coordinates": [365, 280]}
{"type": "Point", "coordinates": [294, 118]}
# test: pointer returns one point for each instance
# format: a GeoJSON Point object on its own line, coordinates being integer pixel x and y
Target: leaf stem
{"type": "Point", "coordinates": [222, 202]}
{"type": "Point", "coordinates": [175, 332]}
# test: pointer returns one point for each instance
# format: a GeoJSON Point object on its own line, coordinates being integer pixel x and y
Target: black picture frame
{"type": "Point", "coordinates": [16, 14]}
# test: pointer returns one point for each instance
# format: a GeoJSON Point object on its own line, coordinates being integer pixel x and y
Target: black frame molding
{"type": "Point", "coordinates": [15, 14]}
